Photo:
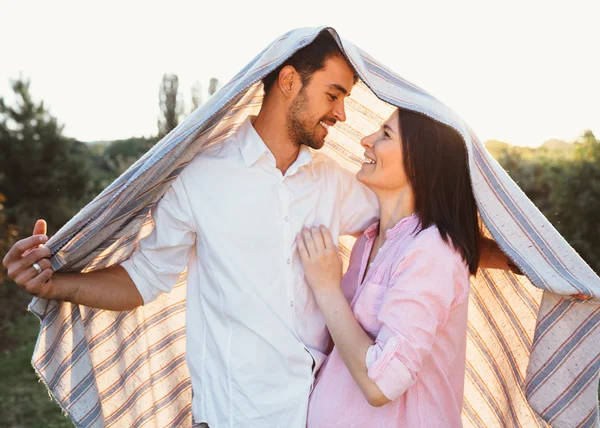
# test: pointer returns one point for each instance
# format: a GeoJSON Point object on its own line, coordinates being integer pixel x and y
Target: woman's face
{"type": "Point", "coordinates": [383, 168]}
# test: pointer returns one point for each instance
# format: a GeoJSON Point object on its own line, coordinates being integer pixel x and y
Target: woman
{"type": "Point", "coordinates": [398, 318]}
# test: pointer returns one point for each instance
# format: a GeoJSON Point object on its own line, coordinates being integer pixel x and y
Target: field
{"type": "Point", "coordinates": [24, 401]}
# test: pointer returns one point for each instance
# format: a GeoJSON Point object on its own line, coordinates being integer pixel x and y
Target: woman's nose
{"type": "Point", "coordinates": [367, 142]}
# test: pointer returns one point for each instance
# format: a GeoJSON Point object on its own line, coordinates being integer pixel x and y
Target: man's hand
{"type": "Point", "coordinates": [110, 288]}
{"type": "Point", "coordinates": [20, 259]}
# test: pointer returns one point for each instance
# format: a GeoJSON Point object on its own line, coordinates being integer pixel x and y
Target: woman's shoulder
{"type": "Point", "coordinates": [434, 259]}
{"type": "Point", "coordinates": [429, 245]}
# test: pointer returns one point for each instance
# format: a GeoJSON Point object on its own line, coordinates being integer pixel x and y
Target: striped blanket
{"type": "Point", "coordinates": [533, 353]}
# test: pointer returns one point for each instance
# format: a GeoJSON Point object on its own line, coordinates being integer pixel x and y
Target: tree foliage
{"type": "Point", "coordinates": [213, 86]}
{"type": "Point", "coordinates": [171, 106]}
{"type": "Point", "coordinates": [196, 95]}
{"type": "Point", "coordinates": [43, 173]}
{"type": "Point", "coordinates": [563, 180]}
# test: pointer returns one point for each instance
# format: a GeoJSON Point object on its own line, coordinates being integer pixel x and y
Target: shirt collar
{"type": "Point", "coordinates": [410, 221]}
{"type": "Point", "coordinates": [253, 147]}
{"type": "Point", "coordinates": [250, 143]}
{"type": "Point", "coordinates": [304, 158]}
{"type": "Point", "coordinates": [372, 230]}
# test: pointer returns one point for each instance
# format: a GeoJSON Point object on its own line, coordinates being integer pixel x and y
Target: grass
{"type": "Point", "coordinates": [24, 401]}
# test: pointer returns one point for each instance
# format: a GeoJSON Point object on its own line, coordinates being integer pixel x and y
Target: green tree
{"type": "Point", "coordinates": [563, 181]}
{"type": "Point", "coordinates": [111, 159]}
{"type": "Point", "coordinates": [213, 86]}
{"type": "Point", "coordinates": [170, 104]}
{"type": "Point", "coordinates": [44, 173]}
{"type": "Point", "coordinates": [496, 148]}
{"type": "Point", "coordinates": [575, 199]}
{"type": "Point", "coordinates": [196, 95]}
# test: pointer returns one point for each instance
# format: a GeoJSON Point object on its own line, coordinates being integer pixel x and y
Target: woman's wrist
{"type": "Point", "coordinates": [326, 295]}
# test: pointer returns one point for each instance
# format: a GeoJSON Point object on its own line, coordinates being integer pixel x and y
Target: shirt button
{"type": "Point", "coordinates": [292, 303]}
{"type": "Point", "coordinates": [393, 341]}
{"type": "Point", "coordinates": [289, 261]}
{"type": "Point", "coordinates": [287, 219]}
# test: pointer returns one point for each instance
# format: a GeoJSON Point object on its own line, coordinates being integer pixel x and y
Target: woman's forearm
{"type": "Point", "coordinates": [350, 340]}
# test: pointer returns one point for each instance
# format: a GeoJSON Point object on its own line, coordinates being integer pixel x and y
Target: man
{"type": "Point", "coordinates": [258, 337]}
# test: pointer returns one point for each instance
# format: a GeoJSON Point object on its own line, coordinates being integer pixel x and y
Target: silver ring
{"type": "Point", "coordinates": [37, 267]}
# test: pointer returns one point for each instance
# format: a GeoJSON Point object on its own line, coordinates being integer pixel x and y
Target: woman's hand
{"type": "Point", "coordinates": [321, 260]}
{"type": "Point", "coordinates": [492, 257]}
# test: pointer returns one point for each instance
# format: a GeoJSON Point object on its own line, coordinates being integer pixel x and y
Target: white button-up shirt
{"type": "Point", "coordinates": [255, 335]}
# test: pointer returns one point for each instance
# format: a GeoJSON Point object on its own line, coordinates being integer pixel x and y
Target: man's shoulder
{"type": "Point", "coordinates": [324, 160]}
{"type": "Point", "coordinates": [323, 164]}
{"type": "Point", "coordinates": [224, 149]}
{"type": "Point", "coordinates": [212, 157]}
{"type": "Point", "coordinates": [326, 166]}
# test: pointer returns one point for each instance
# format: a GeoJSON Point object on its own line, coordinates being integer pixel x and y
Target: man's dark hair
{"type": "Point", "coordinates": [437, 167]}
{"type": "Point", "coordinates": [307, 60]}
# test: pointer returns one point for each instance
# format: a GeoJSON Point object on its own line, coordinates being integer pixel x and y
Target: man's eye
{"type": "Point", "coordinates": [332, 97]}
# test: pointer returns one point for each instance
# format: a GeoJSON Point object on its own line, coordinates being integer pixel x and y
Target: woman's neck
{"type": "Point", "coordinates": [393, 207]}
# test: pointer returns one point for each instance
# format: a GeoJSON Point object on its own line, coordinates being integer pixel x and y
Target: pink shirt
{"type": "Point", "coordinates": [413, 303]}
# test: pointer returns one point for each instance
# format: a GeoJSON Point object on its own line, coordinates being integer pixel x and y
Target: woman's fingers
{"type": "Point", "coordinates": [302, 248]}
{"type": "Point", "coordinates": [315, 241]}
{"type": "Point", "coordinates": [309, 242]}
{"type": "Point", "coordinates": [581, 296]}
{"type": "Point", "coordinates": [317, 238]}
{"type": "Point", "coordinates": [327, 238]}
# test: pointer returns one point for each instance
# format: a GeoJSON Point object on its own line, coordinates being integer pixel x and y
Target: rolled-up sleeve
{"type": "Point", "coordinates": [163, 255]}
{"type": "Point", "coordinates": [417, 304]}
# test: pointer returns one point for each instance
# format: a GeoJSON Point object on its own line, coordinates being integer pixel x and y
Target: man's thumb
{"type": "Point", "coordinates": [40, 227]}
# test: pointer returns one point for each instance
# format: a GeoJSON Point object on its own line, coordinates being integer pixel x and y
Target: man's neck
{"type": "Point", "coordinates": [271, 126]}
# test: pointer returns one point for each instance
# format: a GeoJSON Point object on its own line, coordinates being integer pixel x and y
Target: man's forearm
{"type": "Point", "coordinates": [110, 289]}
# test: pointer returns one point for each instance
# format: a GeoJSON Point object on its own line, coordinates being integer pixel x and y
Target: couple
{"type": "Point", "coordinates": [260, 317]}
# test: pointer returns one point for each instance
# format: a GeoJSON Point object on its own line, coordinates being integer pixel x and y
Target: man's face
{"type": "Point", "coordinates": [320, 103]}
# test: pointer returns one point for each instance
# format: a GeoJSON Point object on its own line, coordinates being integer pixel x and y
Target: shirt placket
{"type": "Point", "coordinates": [362, 278]}
{"type": "Point", "coordinates": [284, 197]}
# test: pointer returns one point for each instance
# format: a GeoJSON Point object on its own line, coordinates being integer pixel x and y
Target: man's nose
{"type": "Point", "coordinates": [340, 112]}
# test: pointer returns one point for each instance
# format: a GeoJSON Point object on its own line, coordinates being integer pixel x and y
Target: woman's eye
{"type": "Point", "coordinates": [386, 134]}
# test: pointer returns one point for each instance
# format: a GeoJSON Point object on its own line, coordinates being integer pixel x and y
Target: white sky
{"type": "Point", "coordinates": [520, 71]}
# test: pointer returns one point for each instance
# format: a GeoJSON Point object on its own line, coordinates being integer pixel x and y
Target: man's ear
{"type": "Point", "coordinates": [289, 81]}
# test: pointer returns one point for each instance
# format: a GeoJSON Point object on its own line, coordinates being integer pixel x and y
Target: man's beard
{"type": "Point", "coordinates": [298, 124]}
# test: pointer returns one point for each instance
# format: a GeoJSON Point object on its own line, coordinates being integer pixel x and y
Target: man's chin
{"type": "Point", "coordinates": [317, 143]}
{"type": "Point", "coordinates": [314, 144]}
